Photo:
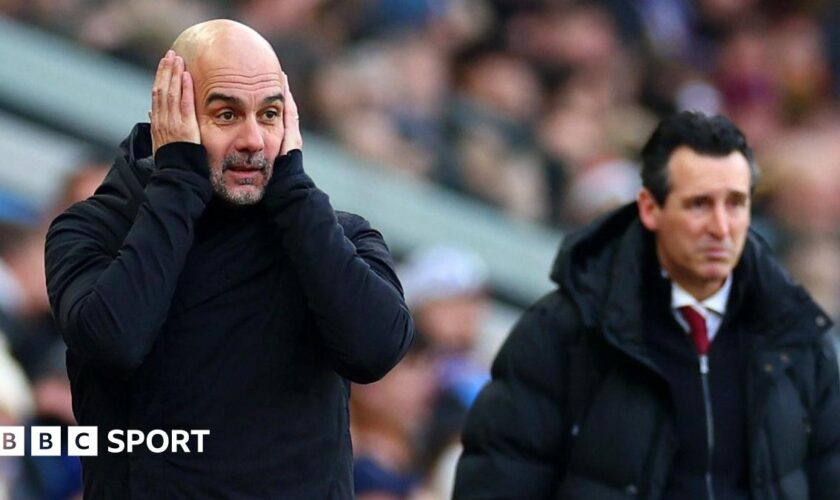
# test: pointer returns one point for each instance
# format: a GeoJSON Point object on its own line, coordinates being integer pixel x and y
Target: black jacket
{"type": "Point", "coordinates": [181, 312]}
{"type": "Point", "coordinates": [578, 409]}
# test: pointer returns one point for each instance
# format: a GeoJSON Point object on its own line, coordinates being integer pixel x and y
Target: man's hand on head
{"type": "Point", "coordinates": [173, 106]}
{"type": "Point", "coordinates": [288, 172]}
{"type": "Point", "coordinates": [292, 139]}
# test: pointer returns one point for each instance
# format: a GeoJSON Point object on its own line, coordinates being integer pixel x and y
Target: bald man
{"type": "Point", "coordinates": [210, 286]}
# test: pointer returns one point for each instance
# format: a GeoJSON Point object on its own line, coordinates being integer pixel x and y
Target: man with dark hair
{"type": "Point", "coordinates": [209, 285]}
{"type": "Point", "coordinates": [676, 359]}
{"type": "Point", "coordinates": [713, 136]}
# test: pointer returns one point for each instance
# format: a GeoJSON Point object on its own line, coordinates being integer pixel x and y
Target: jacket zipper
{"type": "Point", "coordinates": [710, 423]}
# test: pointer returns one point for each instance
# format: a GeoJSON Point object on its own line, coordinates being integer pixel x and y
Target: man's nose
{"type": "Point", "coordinates": [719, 222]}
{"type": "Point", "coordinates": [250, 137]}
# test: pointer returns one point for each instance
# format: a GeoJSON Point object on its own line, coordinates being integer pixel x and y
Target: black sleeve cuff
{"type": "Point", "coordinates": [288, 181]}
{"type": "Point", "coordinates": [288, 165]}
{"type": "Point", "coordinates": [184, 156]}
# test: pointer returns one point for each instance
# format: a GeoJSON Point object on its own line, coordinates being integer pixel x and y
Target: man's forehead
{"type": "Point", "coordinates": [237, 60]}
{"type": "Point", "coordinates": [685, 162]}
{"type": "Point", "coordinates": [240, 92]}
{"type": "Point", "coordinates": [238, 73]}
{"type": "Point", "coordinates": [234, 79]}
{"type": "Point", "coordinates": [214, 63]}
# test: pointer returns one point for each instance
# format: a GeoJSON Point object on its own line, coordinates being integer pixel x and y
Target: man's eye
{"type": "Point", "coordinates": [698, 203]}
{"type": "Point", "coordinates": [271, 114]}
{"type": "Point", "coordinates": [226, 116]}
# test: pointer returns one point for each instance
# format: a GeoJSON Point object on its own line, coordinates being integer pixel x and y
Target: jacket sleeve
{"type": "Point", "coordinates": [824, 460]}
{"type": "Point", "coordinates": [109, 305]}
{"type": "Point", "coordinates": [514, 432]}
{"type": "Point", "coordinates": [348, 277]}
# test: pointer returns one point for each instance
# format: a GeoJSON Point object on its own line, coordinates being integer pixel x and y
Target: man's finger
{"type": "Point", "coordinates": [188, 108]}
{"type": "Point", "coordinates": [175, 82]}
{"type": "Point", "coordinates": [157, 116]}
{"type": "Point", "coordinates": [291, 105]}
{"type": "Point", "coordinates": [156, 87]}
{"type": "Point", "coordinates": [161, 89]}
{"type": "Point", "coordinates": [187, 97]}
{"type": "Point", "coordinates": [292, 138]}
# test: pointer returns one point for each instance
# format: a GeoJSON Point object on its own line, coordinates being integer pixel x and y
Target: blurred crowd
{"type": "Point", "coordinates": [537, 107]}
{"type": "Point", "coordinates": [34, 388]}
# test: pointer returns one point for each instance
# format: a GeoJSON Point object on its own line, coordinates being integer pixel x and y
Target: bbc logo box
{"type": "Point", "coordinates": [13, 443]}
{"type": "Point", "coordinates": [45, 441]}
{"type": "Point", "coordinates": [82, 441]}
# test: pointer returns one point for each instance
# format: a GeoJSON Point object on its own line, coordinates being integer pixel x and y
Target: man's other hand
{"type": "Point", "coordinates": [292, 138]}
{"type": "Point", "coordinates": [173, 108]}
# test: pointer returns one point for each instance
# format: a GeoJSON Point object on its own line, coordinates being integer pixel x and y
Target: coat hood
{"type": "Point", "coordinates": [600, 268]}
{"type": "Point", "coordinates": [122, 189]}
{"type": "Point", "coordinates": [597, 256]}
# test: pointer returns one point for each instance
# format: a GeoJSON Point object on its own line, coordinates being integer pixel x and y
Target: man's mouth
{"type": "Point", "coordinates": [245, 171]}
{"type": "Point", "coordinates": [244, 168]}
{"type": "Point", "coordinates": [245, 175]}
{"type": "Point", "coordinates": [717, 253]}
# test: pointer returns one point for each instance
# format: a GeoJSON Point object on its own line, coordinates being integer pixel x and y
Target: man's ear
{"type": "Point", "coordinates": [648, 209]}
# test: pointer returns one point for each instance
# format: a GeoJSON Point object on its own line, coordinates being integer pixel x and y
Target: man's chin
{"type": "Point", "coordinates": [242, 195]}
{"type": "Point", "coordinates": [717, 270]}
{"type": "Point", "coordinates": [240, 188]}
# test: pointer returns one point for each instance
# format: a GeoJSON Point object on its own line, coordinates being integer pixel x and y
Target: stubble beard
{"type": "Point", "coordinates": [235, 196]}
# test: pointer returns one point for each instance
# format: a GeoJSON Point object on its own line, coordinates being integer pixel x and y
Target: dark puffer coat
{"type": "Point", "coordinates": [577, 408]}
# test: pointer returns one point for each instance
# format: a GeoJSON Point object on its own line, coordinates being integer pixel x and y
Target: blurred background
{"type": "Point", "coordinates": [473, 133]}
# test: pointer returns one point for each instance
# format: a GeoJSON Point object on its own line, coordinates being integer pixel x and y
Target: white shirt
{"type": "Point", "coordinates": [712, 309]}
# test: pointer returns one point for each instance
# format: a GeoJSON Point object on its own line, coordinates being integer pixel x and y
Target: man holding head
{"type": "Point", "coordinates": [209, 285]}
{"type": "Point", "coordinates": [676, 359]}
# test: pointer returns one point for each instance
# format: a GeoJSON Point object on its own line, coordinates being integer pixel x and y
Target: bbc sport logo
{"type": "Point", "coordinates": [83, 441]}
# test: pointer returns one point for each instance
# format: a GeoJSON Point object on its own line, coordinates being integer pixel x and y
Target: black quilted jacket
{"type": "Point", "coordinates": [577, 409]}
